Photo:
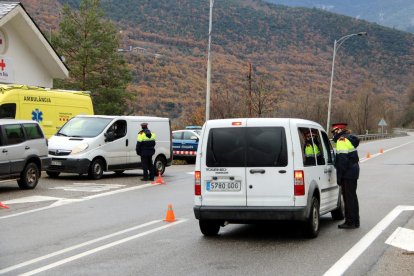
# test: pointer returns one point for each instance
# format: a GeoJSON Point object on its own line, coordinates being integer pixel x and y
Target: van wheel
{"type": "Point", "coordinates": [311, 227]}
{"type": "Point", "coordinates": [339, 212]}
{"type": "Point", "coordinates": [52, 174]}
{"type": "Point", "coordinates": [209, 227]}
{"type": "Point", "coordinates": [159, 165]}
{"type": "Point", "coordinates": [29, 177]}
{"type": "Point", "coordinates": [96, 169]}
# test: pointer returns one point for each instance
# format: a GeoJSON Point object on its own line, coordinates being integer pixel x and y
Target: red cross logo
{"type": "Point", "coordinates": [2, 65]}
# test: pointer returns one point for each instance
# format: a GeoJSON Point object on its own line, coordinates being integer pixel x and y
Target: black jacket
{"type": "Point", "coordinates": [346, 164]}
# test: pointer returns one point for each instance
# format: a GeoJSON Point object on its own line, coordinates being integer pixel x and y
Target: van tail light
{"type": "Point", "coordinates": [299, 183]}
{"type": "Point", "coordinates": [197, 183]}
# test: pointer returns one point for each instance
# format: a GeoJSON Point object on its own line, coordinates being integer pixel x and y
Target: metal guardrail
{"type": "Point", "coordinates": [369, 137]}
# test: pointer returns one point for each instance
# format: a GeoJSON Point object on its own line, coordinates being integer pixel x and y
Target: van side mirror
{"type": "Point", "coordinates": [194, 138]}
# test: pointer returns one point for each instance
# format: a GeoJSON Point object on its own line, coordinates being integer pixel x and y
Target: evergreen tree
{"type": "Point", "coordinates": [89, 45]}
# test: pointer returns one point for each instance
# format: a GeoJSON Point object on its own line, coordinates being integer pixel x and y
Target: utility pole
{"type": "Point", "coordinates": [249, 77]}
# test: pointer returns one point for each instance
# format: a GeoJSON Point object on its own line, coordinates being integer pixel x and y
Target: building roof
{"type": "Point", "coordinates": [14, 13]}
{"type": "Point", "coordinates": [6, 7]}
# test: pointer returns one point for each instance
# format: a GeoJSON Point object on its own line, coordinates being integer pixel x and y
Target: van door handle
{"type": "Point", "coordinates": [252, 171]}
{"type": "Point", "coordinates": [329, 170]}
{"type": "Point", "coordinates": [27, 147]}
{"type": "Point", "coordinates": [282, 171]}
{"type": "Point", "coordinates": [126, 142]}
{"type": "Point", "coordinates": [4, 150]}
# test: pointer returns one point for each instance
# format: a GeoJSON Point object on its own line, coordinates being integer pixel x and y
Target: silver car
{"type": "Point", "coordinates": [23, 152]}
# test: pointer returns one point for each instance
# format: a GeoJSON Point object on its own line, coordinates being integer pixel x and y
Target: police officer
{"type": "Point", "coordinates": [347, 172]}
{"type": "Point", "coordinates": [146, 148]}
{"type": "Point", "coordinates": [311, 149]}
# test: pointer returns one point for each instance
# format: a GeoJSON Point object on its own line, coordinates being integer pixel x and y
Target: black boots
{"type": "Point", "coordinates": [348, 225]}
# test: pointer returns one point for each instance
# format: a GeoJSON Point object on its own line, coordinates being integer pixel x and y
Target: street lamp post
{"type": "Point", "coordinates": [209, 62]}
{"type": "Point", "coordinates": [337, 44]}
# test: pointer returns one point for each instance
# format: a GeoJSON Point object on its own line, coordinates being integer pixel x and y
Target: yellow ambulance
{"type": "Point", "coordinates": [51, 108]}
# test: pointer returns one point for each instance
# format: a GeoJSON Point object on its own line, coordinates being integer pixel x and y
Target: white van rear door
{"type": "Point", "coordinates": [223, 173]}
{"type": "Point", "coordinates": [269, 168]}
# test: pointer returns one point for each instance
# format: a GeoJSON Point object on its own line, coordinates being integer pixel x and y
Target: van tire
{"type": "Point", "coordinates": [29, 177]}
{"type": "Point", "coordinates": [52, 174]}
{"type": "Point", "coordinates": [96, 169]}
{"type": "Point", "coordinates": [339, 212]}
{"type": "Point", "coordinates": [159, 165]}
{"type": "Point", "coordinates": [311, 227]}
{"type": "Point", "coordinates": [209, 227]}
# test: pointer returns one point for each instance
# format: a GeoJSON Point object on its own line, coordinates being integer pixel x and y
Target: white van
{"type": "Point", "coordinates": [92, 144]}
{"type": "Point", "coordinates": [255, 169]}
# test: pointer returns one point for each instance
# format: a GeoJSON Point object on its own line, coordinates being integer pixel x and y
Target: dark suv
{"type": "Point", "coordinates": [23, 152]}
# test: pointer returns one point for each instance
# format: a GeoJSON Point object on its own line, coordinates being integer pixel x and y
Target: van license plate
{"type": "Point", "coordinates": [223, 186]}
{"type": "Point", "coordinates": [56, 163]}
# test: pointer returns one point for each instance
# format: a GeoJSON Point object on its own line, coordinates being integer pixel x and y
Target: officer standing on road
{"type": "Point", "coordinates": [347, 172]}
{"type": "Point", "coordinates": [146, 148]}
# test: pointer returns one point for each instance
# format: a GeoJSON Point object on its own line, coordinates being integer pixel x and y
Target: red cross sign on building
{"type": "Point", "coordinates": [2, 64]}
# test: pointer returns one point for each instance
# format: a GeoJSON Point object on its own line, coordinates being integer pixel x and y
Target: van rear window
{"type": "Point", "coordinates": [247, 147]}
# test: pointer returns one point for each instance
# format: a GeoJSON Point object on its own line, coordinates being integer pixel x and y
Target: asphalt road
{"type": "Point", "coordinates": [75, 226]}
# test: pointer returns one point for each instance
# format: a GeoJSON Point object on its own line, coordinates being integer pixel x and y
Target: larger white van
{"type": "Point", "coordinates": [255, 169]}
{"type": "Point", "coordinates": [92, 144]}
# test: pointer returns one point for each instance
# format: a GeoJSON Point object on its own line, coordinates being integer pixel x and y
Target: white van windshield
{"type": "Point", "coordinates": [84, 127]}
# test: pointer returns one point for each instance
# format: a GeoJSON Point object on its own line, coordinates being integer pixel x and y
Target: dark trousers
{"type": "Point", "coordinates": [147, 166]}
{"type": "Point", "coordinates": [349, 187]}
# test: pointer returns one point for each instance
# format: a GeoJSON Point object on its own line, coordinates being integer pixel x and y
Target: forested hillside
{"type": "Point", "coordinates": [391, 13]}
{"type": "Point", "coordinates": [290, 50]}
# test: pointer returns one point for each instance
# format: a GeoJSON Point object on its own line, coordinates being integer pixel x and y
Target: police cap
{"type": "Point", "coordinates": [144, 125]}
{"type": "Point", "coordinates": [338, 126]}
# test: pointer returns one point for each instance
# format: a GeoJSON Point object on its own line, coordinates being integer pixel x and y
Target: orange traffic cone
{"type": "Point", "coordinates": [368, 155]}
{"type": "Point", "coordinates": [381, 151]}
{"type": "Point", "coordinates": [2, 205]}
{"type": "Point", "coordinates": [170, 214]}
{"type": "Point", "coordinates": [159, 179]}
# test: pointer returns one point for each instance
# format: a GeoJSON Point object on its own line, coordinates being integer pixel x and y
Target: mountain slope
{"type": "Point", "coordinates": [289, 47]}
{"type": "Point", "coordinates": [394, 14]}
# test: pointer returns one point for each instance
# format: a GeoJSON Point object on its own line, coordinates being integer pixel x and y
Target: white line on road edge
{"type": "Point", "coordinates": [346, 261]}
{"type": "Point", "coordinates": [362, 160]}
{"type": "Point", "coordinates": [402, 238]}
{"type": "Point", "coordinates": [38, 259]}
{"type": "Point", "coordinates": [68, 201]}
{"type": "Point", "coordinates": [100, 248]}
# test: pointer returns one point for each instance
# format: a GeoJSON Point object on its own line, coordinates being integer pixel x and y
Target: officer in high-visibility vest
{"type": "Point", "coordinates": [347, 172]}
{"type": "Point", "coordinates": [311, 149]}
{"type": "Point", "coordinates": [146, 148]}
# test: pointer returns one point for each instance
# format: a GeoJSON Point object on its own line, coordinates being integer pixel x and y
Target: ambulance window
{"type": "Point", "coordinates": [32, 131]}
{"type": "Point", "coordinates": [266, 147]}
{"type": "Point", "coordinates": [226, 147]}
{"type": "Point", "coordinates": [8, 111]}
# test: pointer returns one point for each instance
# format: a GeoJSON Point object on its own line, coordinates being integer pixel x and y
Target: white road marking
{"type": "Point", "coordinates": [88, 187]}
{"type": "Point", "coordinates": [30, 199]}
{"type": "Point", "coordinates": [67, 201]}
{"type": "Point", "coordinates": [68, 249]}
{"type": "Point", "coordinates": [100, 248]}
{"type": "Point", "coordinates": [402, 238]}
{"type": "Point", "coordinates": [362, 160]}
{"type": "Point", "coordinates": [346, 261]}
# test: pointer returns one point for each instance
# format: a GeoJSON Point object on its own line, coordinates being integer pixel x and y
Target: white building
{"type": "Point", "coordinates": [26, 57]}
